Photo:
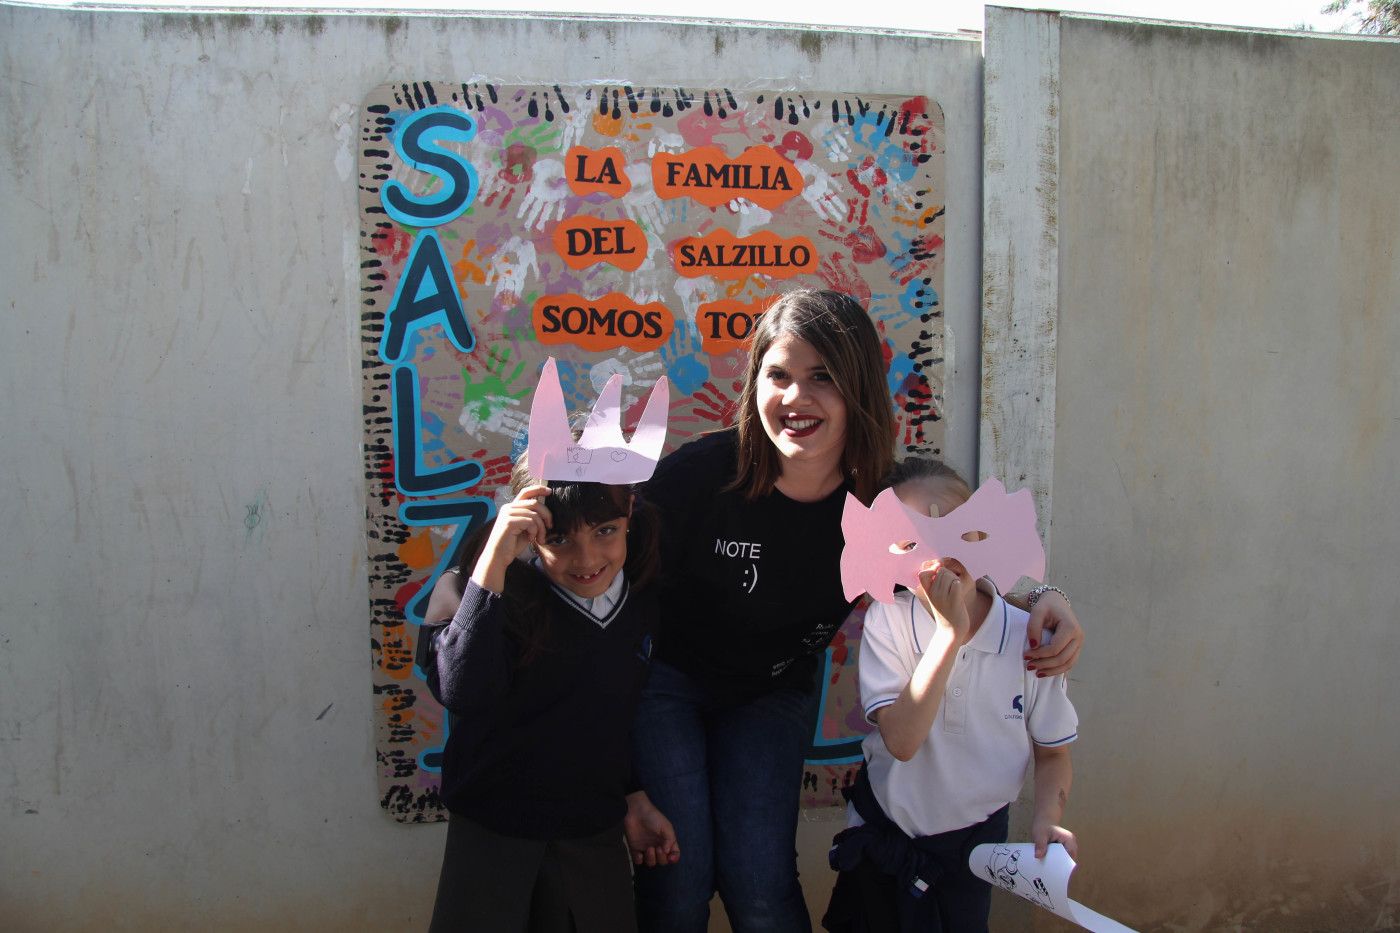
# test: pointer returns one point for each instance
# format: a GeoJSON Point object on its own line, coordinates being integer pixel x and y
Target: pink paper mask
{"type": "Point", "coordinates": [1011, 548]}
{"type": "Point", "coordinates": [600, 455]}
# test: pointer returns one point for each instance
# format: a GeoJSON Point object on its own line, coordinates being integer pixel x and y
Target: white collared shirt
{"type": "Point", "coordinates": [600, 607]}
{"type": "Point", "coordinates": [974, 759]}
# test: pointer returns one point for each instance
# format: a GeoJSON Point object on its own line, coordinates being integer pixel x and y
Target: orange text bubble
{"type": "Point", "coordinates": [605, 323]}
{"type": "Point", "coordinates": [587, 241]}
{"type": "Point", "coordinates": [726, 256]}
{"type": "Point", "coordinates": [725, 325]}
{"type": "Point", "coordinates": [592, 170]}
{"type": "Point", "coordinates": [709, 176]}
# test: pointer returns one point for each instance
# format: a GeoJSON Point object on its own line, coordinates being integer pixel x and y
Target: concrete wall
{"type": "Point", "coordinates": [1223, 225]}
{"type": "Point", "coordinates": [185, 705]}
{"type": "Point", "coordinates": [1192, 269]}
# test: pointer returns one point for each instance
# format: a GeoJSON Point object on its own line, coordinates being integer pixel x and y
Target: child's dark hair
{"type": "Point", "coordinates": [918, 469]}
{"type": "Point", "coordinates": [571, 506]}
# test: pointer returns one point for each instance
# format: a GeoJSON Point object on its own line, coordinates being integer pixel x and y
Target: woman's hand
{"type": "Point", "coordinates": [650, 837]}
{"type": "Point", "coordinates": [1061, 652]}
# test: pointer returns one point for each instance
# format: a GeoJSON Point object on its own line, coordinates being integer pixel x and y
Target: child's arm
{"type": "Point", "coordinates": [1053, 776]}
{"type": "Point", "coordinates": [445, 598]}
{"type": "Point", "coordinates": [523, 522]}
{"type": "Point", "coordinates": [467, 670]}
{"type": "Point", "coordinates": [905, 723]}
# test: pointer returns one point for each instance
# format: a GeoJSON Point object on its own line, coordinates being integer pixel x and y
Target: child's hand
{"type": "Point", "coordinates": [650, 836]}
{"type": "Point", "coordinates": [524, 521]}
{"type": "Point", "coordinates": [944, 595]}
{"type": "Point", "coordinates": [1044, 833]}
{"type": "Point", "coordinates": [444, 599]}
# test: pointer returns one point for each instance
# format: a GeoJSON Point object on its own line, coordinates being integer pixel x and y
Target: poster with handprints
{"type": "Point", "coordinates": [1044, 882]}
{"type": "Point", "coordinates": [636, 231]}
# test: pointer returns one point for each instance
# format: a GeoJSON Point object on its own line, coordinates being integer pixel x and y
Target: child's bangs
{"type": "Point", "coordinates": [575, 505]}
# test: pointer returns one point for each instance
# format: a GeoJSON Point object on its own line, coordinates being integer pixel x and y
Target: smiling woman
{"type": "Point", "coordinates": [803, 415]}
{"type": "Point", "coordinates": [815, 354]}
{"type": "Point", "coordinates": [751, 597]}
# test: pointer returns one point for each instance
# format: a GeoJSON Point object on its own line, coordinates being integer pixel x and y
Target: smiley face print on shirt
{"type": "Point", "coordinates": [744, 556]}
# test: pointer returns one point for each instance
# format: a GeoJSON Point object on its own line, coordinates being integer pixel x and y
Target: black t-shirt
{"type": "Point", "coordinates": [752, 591]}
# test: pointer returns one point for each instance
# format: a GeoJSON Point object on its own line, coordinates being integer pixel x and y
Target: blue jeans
{"type": "Point", "coordinates": [729, 779]}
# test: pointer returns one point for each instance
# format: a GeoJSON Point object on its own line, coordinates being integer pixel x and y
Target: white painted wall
{"type": "Point", "coordinates": [1226, 451]}
{"type": "Point", "coordinates": [185, 705]}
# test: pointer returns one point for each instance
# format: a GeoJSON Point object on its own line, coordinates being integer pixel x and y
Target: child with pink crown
{"type": "Point", "coordinates": [541, 669]}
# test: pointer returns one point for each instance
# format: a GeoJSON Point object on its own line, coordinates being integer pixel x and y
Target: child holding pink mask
{"type": "Point", "coordinates": [958, 718]}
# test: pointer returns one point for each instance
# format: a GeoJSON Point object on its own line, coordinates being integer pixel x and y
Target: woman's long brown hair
{"type": "Point", "coordinates": [845, 338]}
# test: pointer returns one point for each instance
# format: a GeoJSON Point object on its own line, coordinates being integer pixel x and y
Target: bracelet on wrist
{"type": "Point", "coordinates": [1041, 590]}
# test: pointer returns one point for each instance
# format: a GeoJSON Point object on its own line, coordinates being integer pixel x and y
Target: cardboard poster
{"type": "Point", "coordinates": [623, 230]}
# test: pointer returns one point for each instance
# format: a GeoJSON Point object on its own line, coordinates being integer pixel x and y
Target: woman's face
{"type": "Point", "coordinates": [802, 411]}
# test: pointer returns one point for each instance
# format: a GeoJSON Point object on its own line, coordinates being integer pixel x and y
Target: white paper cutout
{"type": "Point", "coordinates": [1011, 549]}
{"type": "Point", "coordinates": [600, 455]}
{"type": "Point", "coordinates": [1012, 866]}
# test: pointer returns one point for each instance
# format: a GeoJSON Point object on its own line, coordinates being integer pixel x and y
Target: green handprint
{"type": "Point", "coordinates": [487, 396]}
{"type": "Point", "coordinates": [540, 137]}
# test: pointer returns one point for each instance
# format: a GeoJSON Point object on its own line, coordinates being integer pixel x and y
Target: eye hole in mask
{"type": "Point", "coordinates": [904, 547]}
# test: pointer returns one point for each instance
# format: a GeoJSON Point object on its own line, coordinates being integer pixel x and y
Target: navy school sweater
{"type": "Point", "coordinates": [539, 750]}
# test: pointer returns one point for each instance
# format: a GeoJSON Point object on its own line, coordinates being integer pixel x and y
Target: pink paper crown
{"type": "Point", "coordinates": [600, 455]}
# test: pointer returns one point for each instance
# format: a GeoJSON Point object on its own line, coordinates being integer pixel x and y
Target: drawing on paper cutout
{"type": "Point", "coordinates": [1013, 867]}
{"type": "Point", "coordinates": [1003, 869]}
{"type": "Point", "coordinates": [626, 231]}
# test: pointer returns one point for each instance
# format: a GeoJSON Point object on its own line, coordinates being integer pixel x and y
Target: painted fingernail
{"type": "Point", "coordinates": [1034, 643]}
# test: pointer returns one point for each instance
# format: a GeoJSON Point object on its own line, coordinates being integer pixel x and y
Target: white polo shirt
{"type": "Point", "coordinates": [975, 757]}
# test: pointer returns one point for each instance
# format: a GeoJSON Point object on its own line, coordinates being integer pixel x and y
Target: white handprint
{"type": "Point", "coordinates": [654, 246]}
{"type": "Point", "coordinates": [642, 203]}
{"type": "Point", "coordinates": [750, 215]}
{"type": "Point", "coordinates": [821, 190]}
{"type": "Point", "coordinates": [545, 200]}
{"type": "Point", "coordinates": [489, 179]}
{"type": "Point", "coordinates": [692, 294]}
{"type": "Point", "coordinates": [510, 265]}
{"type": "Point", "coordinates": [603, 370]}
{"type": "Point", "coordinates": [837, 142]}
{"type": "Point", "coordinates": [578, 122]}
{"type": "Point", "coordinates": [665, 141]}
